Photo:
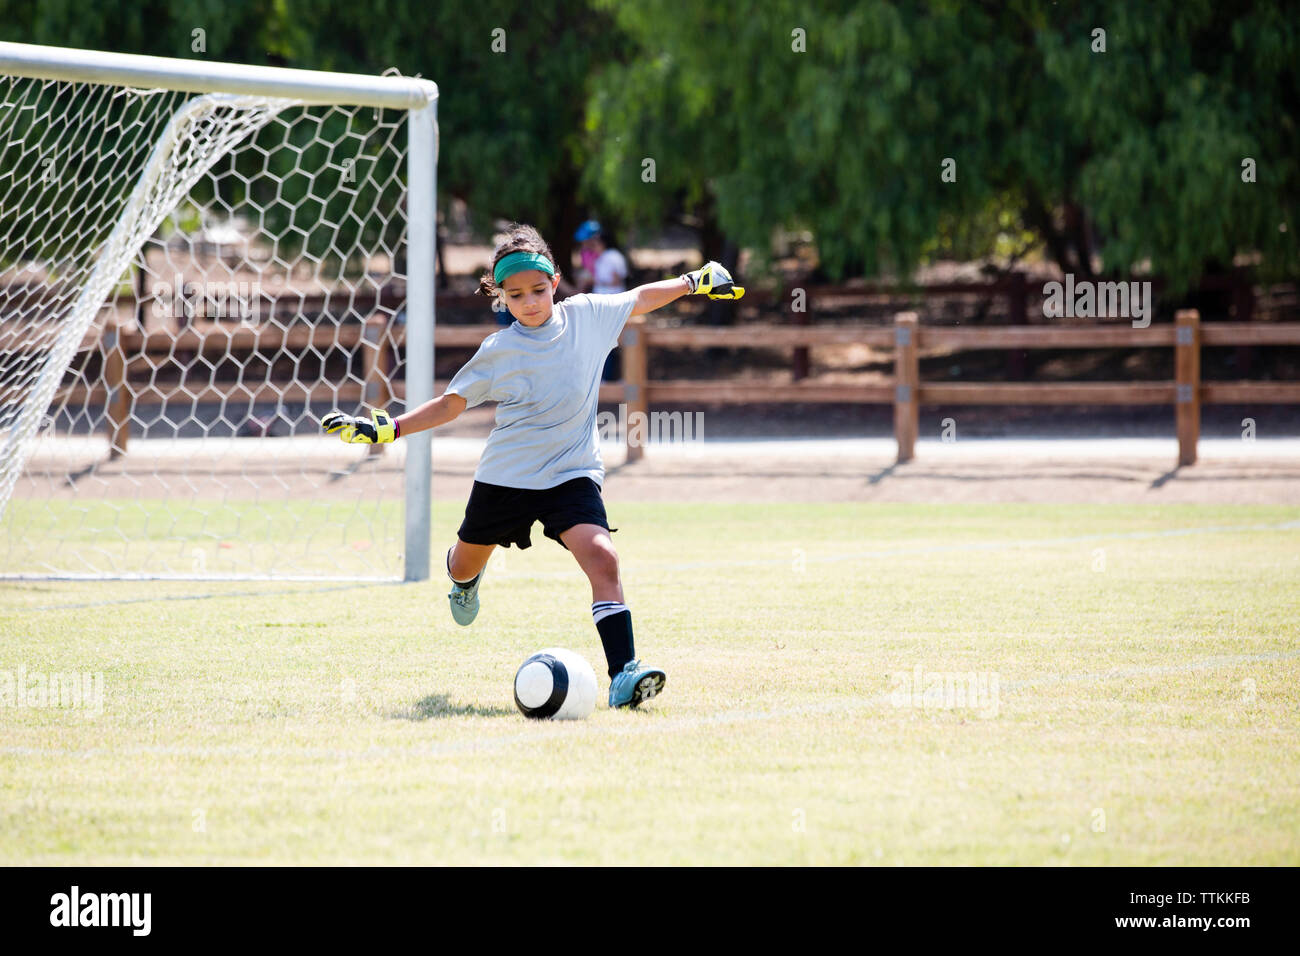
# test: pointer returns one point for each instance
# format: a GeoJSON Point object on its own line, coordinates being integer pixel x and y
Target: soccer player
{"type": "Point", "coordinates": [542, 460]}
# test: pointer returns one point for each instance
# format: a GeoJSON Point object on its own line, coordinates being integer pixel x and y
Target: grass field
{"type": "Point", "coordinates": [1146, 707]}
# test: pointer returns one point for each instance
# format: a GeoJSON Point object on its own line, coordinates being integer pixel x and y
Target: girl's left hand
{"type": "Point", "coordinates": [713, 279]}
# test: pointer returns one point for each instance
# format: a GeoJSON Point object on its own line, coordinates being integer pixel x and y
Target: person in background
{"type": "Point", "coordinates": [606, 274]}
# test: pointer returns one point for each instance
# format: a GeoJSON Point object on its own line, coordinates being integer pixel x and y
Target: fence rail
{"type": "Point", "coordinates": [130, 352]}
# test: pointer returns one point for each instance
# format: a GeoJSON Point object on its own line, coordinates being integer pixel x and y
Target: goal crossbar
{"type": "Point", "coordinates": [201, 76]}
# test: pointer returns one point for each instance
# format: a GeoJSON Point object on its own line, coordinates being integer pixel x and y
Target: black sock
{"type": "Point", "coordinates": [614, 622]}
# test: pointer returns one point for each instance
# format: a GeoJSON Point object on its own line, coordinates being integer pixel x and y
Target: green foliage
{"type": "Point", "coordinates": [1118, 158]}
{"type": "Point", "coordinates": [1162, 122]}
{"type": "Point", "coordinates": [1139, 148]}
{"type": "Point", "coordinates": [510, 122]}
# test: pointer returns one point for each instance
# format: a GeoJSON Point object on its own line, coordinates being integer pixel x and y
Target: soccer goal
{"type": "Point", "coordinates": [197, 261]}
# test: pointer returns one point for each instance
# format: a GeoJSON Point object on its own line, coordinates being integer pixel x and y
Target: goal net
{"type": "Point", "coordinates": [197, 261]}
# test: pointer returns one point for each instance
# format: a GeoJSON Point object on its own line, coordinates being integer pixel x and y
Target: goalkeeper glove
{"type": "Point", "coordinates": [358, 431]}
{"type": "Point", "coordinates": [713, 279]}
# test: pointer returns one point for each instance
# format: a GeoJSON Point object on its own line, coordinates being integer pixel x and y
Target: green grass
{"type": "Point", "coordinates": [1148, 709]}
{"type": "Point", "coordinates": [350, 539]}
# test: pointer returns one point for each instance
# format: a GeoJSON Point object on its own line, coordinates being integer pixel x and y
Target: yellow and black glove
{"type": "Point", "coordinates": [713, 279]}
{"type": "Point", "coordinates": [357, 431]}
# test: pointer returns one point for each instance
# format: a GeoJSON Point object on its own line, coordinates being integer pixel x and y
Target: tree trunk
{"type": "Point", "coordinates": [562, 216]}
{"type": "Point", "coordinates": [714, 245]}
{"type": "Point", "coordinates": [711, 238]}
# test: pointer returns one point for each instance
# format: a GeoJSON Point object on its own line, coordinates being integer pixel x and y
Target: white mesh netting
{"type": "Point", "coordinates": [187, 282]}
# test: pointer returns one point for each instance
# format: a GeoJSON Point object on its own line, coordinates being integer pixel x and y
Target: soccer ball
{"type": "Point", "coordinates": [555, 684]}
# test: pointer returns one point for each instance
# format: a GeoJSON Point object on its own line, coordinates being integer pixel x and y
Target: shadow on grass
{"type": "Point", "coordinates": [352, 468]}
{"type": "Point", "coordinates": [1166, 477]}
{"type": "Point", "coordinates": [881, 475]}
{"type": "Point", "coordinates": [439, 705]}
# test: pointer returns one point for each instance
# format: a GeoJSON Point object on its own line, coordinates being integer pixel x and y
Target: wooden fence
{"type": "Point", "coordinates": [907, 392]}
{"type": "Point", "coordinates": [128, 353]}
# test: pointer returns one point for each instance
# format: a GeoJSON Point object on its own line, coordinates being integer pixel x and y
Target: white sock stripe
{"type": "Point", "coordinates": [607, 604]}
{"type": "Point", "coordinates": [599, 614]}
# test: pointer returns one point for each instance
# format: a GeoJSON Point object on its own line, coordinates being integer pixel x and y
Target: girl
{"type": "Point", "coordinates": [542, 460]}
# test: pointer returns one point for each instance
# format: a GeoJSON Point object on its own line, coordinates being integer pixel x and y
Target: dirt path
{"type": "Point", "coordinates": [975, 479]}
{"type": "Point", "coordinates": [1136, 471]}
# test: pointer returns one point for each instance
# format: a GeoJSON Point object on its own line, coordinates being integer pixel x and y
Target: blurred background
{"type": "Point", "coordinates": [846, 159]}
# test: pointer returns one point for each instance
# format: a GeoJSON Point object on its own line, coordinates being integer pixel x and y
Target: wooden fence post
{"type": "Point", "coordinates": [635, 378]}
{"type": "Point", "coordinates": [907, 375]}
{"type": "Point", "coordinates": [1243, 310]}
{"type": "Point", "coordinates": [801, 364]}
{"type": "Point", "coordinates": [1187, 374]}
{"type": "Point", "coordinates": [1017, 314]}
{"type": "Point", "coordinates": [377, 365]}
{"type": "Point", "coordinates": [119, 396]}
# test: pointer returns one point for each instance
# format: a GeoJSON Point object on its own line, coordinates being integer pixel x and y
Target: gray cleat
{"type": "Point", "coordinates": [464, 599]}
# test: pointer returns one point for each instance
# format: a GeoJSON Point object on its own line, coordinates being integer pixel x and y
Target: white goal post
{"type": "Point", "coordinates": [197, 260]}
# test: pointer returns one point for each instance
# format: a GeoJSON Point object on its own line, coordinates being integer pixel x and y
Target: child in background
{"type": "Point", "coordinates": [608, 270]}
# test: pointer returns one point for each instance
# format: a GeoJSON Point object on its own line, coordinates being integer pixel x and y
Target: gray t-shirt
{"type": "Point", "coordinates": [546, 381]}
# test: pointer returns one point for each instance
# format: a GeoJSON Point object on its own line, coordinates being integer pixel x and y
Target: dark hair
{"type": "Point", "coordinates": [608, 239]}
{"type": "Point", "coordinates": [519, 238]}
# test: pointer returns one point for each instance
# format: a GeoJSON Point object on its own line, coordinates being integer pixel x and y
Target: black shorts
{"type": "Point", "coordinates": [504, 516]}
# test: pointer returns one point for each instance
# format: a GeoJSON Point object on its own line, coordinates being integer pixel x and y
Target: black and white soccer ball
{"type": "Point", "coordinates": [555, 684]}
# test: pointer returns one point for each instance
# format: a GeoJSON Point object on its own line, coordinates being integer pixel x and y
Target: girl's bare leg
{"type": "Point", "coordinates": [467, 560]}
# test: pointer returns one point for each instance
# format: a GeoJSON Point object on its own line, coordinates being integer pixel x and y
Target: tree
{"type": "Point", "coordinates": [514, 81]}
{"type": "Point", "coordinates": [882, 125]}
{"type": "Point", "coordinates": [514, 78]}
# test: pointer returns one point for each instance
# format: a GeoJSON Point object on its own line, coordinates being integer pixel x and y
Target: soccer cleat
{"type": "Point", "coordinates": [464, 600]}
{"type": "Point", "coordinates": [634, 685]}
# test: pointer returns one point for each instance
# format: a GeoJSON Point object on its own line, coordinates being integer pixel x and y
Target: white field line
{"type": "Point", "coordinates": [201, 597]}
{"type": "Point", "coordinates": [636, 569]}
{"type": "Point", "coordinates": [647, 725]}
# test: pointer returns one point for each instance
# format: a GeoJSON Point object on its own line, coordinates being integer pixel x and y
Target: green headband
{"type": "Point", "coordinates": [521, 262]}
